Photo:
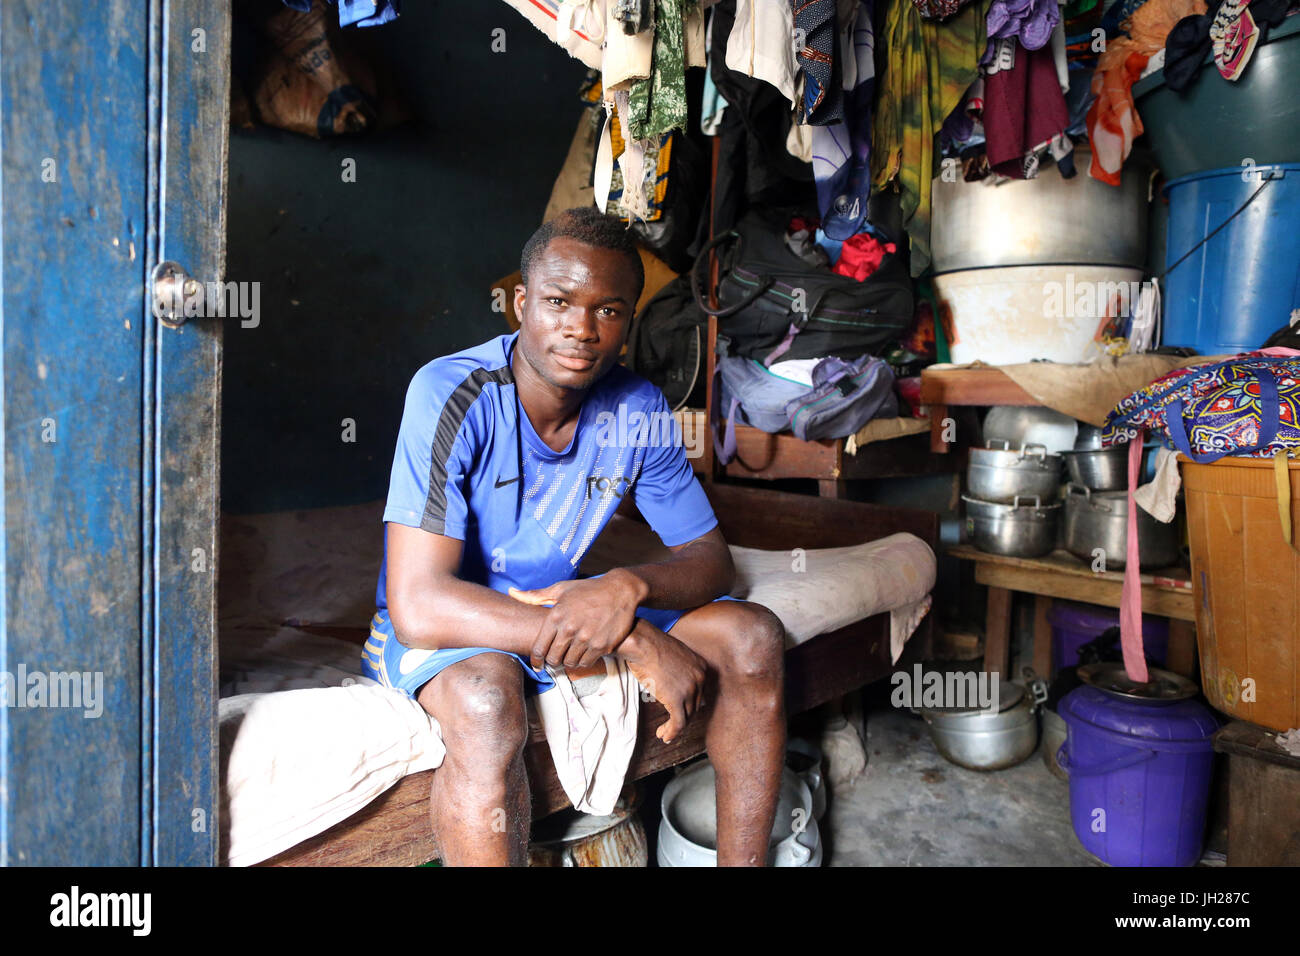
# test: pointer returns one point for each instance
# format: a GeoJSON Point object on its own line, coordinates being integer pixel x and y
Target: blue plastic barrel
{"type": "Point", "coordinates": [1238, 288]}
{"type": "Point", "coordinates": [1139, 776]}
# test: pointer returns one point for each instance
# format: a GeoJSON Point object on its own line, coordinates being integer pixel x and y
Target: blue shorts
{"type": "Point", "coordinates": [385, 659]}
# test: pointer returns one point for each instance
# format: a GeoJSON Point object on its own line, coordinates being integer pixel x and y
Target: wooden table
{"type": "Point", "coordinates": [1166, 593]}
{"type": "Point", "coordinates": [983, 385]}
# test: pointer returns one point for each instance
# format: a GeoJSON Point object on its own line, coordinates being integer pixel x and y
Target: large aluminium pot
{"type": "Point", "coordinates": [1048, 220]}
{"type": "Point", "coordinates": [1006, 315]}
{"type": "Point", "coordinates": [1021, 529]}
{"type": "Point", "coordinates": [1099, 520]}
{"type": "Point", "coordinates": [1000, 474]}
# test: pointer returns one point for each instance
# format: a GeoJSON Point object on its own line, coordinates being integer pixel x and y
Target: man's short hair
{"type": "Point", "coordinates": [591, 227]}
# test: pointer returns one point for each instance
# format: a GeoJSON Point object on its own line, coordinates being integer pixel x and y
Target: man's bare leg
{"type": "Point", "coordinates": [479, 799]}
{"type": "Point", "coordinates": [744, 646]}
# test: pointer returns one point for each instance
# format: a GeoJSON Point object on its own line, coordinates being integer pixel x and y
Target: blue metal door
{"type": "Point", "coordinates": [113, 129]}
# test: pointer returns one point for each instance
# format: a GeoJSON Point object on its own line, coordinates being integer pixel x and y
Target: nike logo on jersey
{"type": "Point", "coordinates": [508, 481]}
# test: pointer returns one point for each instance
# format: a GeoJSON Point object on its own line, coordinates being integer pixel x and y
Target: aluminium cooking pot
{"type": "Point", "coordinates": [1098, 520]}
{"type": "Point", "coordinates": [986, 739]}
{"type": "Point", "coordinates": [1101, 469]}
{"type": "Point", "coordinates": [1020, 529]}
{"type": "Point", "coordinates": [1000, 474]}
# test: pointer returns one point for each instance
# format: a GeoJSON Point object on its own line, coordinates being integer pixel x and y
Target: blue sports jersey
{"type": "Point", "coordinates": [469, 465]}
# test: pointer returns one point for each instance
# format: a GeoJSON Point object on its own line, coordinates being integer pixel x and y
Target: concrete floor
{"type": "Point", "coordinates": [913, 808]}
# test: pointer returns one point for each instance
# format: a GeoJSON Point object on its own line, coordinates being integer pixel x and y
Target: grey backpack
{"type": "Point", "coordinates": [845, 394]}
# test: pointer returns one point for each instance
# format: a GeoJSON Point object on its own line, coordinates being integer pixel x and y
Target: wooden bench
{"type": "Point", "coordinates": [394, 830]}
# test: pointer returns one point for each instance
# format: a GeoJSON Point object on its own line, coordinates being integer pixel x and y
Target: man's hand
{"type": "Point", "coordinates": [670, 671]}
{"type": "Point", "coordinates": [588, 619]}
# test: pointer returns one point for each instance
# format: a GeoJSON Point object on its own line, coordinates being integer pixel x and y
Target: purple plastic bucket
{"type": "Point", "coordinates": [1075, 624]}
{"type": "Point", "coordinates": [1139, 776]}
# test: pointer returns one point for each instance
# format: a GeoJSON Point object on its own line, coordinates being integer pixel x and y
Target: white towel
{"type": "Point", "coordinates": [1157, 497]}
{"type": "Point", "coordinates": [297, 762]}
{"type": "Point", "coordinates": [591, 738]}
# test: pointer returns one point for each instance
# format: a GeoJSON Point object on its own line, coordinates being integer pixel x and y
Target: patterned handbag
{"type": "Point", "coordinates": [1248, 406]}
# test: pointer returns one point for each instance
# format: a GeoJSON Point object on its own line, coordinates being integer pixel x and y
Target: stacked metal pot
{"type": "Point", "coordinates": [1096, 509]}
{"type": "Point", "coordinates": [1012, 504]}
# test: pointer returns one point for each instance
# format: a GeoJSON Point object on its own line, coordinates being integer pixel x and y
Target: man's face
{"type": "Point", "coordinates": [575, 312]}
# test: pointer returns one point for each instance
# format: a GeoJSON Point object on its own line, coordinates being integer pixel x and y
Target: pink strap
{"type": "Point", "coordinates": [1130, 603]}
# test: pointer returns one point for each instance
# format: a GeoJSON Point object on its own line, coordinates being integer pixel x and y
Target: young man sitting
{"type": "Point", "coordinates": [501, 481]}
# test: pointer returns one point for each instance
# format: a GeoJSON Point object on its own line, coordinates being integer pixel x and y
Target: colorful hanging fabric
{"type": "Point", "coordinates": [815, 42]}
{"type": "Point", "coordinates": [938, 9]}
{"type": "Point", "coordinates": [1024, 112]}
{"type": "Point", "coordinates": [1234, 36]}
{"type": "Point", "coordinates": [841, 153]}
{"type": "Point", "coordinates": [654, 183]}
{"type": "Point", "coordinates": [929, 67]}
{"type": "Point", "coordinates": [1030, 21]}
{"type": "Point", "coordinates": [1113, 121]}
{"type": "Point", "coordinates": [657, 105]}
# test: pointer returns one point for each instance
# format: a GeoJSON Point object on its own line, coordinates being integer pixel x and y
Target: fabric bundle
{"type": "Point", "coordinates": [1113, 121]}
{"type": "Point", "coordinates": [1030, 21]}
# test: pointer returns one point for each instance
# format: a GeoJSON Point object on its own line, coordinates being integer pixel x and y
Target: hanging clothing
{"type": "Point", "coordinates": [841, 154]}
{"type": "Point", "coordinates": [1113, 121]}
{"type": "Point", "coordinates": [587, 30]}
{"type": "Point", "coordinates": [1024, 111]}
{"type": "Point", "coordinates": [816, 40]}
{"type": "Point", "coordinates": [356, 13]}
{"type": "Point", "coordinates": [1029, 21]}
{"type": "Point", "coordinates": [757, 37]}
{"type": "Point", "coordinates": [930, 66]}
{"type": "Point", "coordinates": [657, 104]}
{"type": "Point", "coordinates": [938, 9]}
{"type": "Point", "coordinates": [712, 103]}
{"type": "Point", "coordinates": [754, 165]}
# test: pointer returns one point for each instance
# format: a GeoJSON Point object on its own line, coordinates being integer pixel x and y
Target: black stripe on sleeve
{"type": "Point", "coordinates": [450, 421]}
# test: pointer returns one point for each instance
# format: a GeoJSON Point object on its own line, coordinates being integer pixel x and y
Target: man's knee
{"type": "Point", "coordinates": [756, 645]}
{"type": "Point", "coordinates": [480, 709]}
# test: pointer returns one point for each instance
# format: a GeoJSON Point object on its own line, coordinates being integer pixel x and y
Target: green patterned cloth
{"type": "Point", "coordinates": [658, 104]}
{"type": "Point", "coordinates": [930, 64]}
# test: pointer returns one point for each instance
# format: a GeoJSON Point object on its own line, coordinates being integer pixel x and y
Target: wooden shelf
{"type": "Point", "coordinates": [1165, 593]}
{"type": "Point", "coordinates": [763, 455]}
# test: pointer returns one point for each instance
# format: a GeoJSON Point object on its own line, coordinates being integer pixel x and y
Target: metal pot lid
{"type": "Point", "coordinates": [1111, 678]}
{"type": "Point", "coordinates": [1009, 694]}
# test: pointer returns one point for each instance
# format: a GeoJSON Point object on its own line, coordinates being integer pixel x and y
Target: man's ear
{"type": "Point", "coordinates": [520, 294]}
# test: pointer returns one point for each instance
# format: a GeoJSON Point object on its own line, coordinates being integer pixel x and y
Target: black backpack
{"type": "Point", "coordinates": [667, 344]}
{"type": "Point", "coordinates": [768, 295]}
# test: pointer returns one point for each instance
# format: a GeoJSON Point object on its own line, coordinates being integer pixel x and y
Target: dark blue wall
{"type": "Point", "coordinates": [364, 282]}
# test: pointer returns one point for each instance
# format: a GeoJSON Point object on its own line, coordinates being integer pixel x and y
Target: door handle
{"type": "Point", "coordinates": [170, 288]}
